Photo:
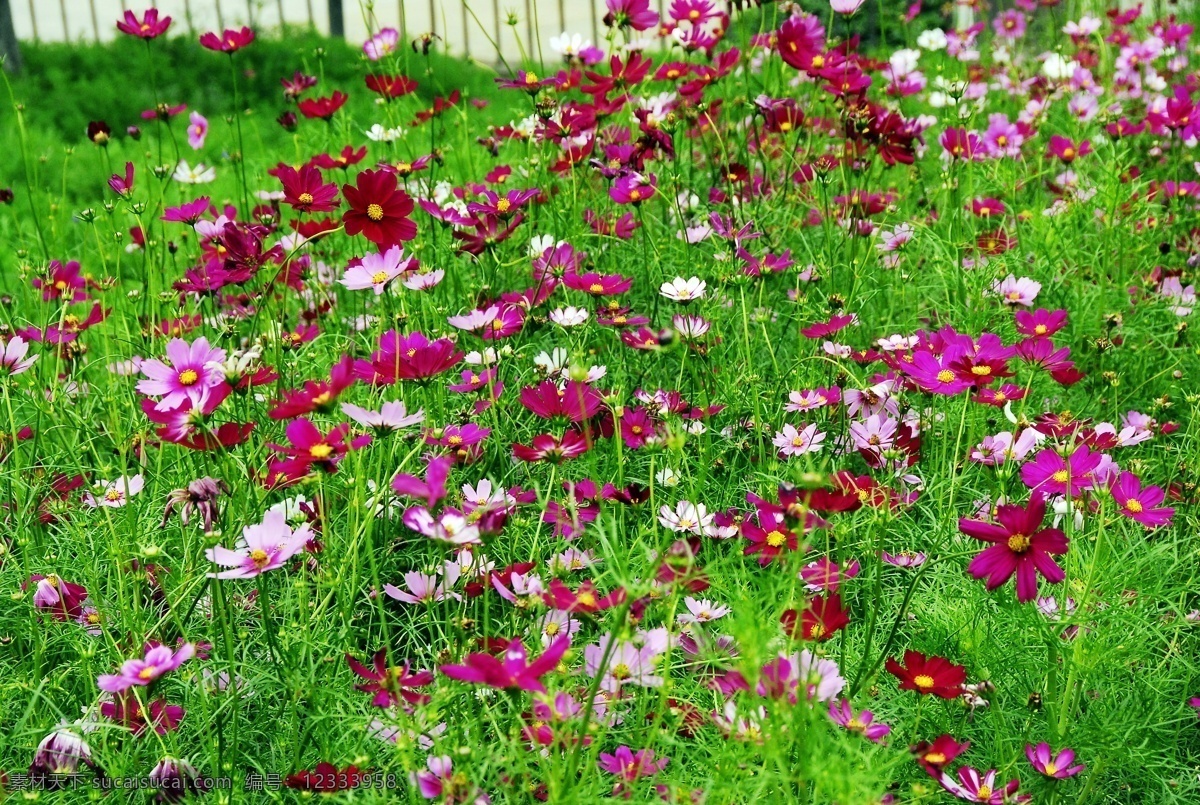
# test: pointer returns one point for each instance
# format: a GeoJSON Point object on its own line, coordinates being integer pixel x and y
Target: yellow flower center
{"type": "Point", "coordinates": [817, 631]}
{"type": "Point", "coordinates": [320, 451]}
{"type": "Point", "coordinates": [149, 672]}
{"type": "Point", "coordinates": [306, 198]}
{"type": "Point", "coordinates": [984, 792]}
{"type": "Point", "coordinates": [1040, 329]}
{"type": "Point", "coordinates": [1068, 153]}
{"type": "Point", "coordinates": [188, 377]}
{"type": "Point", "coordinates": [1018, 543]}
{"type": "Point", "coordinates": [61, 285]}
{"type": "Point", "coordinates": [586, 599]}
{"type": "Point", "coordinates": [945, 376]}
{"type": "Point", "coordinates": [818, 62]}
{"type": "Point", "coordinates": [1001, 396]}
{"type": "Point", "coordinates": [935, 758]}
{"type": "Point", "coordinates": [596, 287]}
{"type": "Point", "coordinates": [776, 538]}
{"type": "Point", "coordinates": [455, 440]}
{"type": "Point", "coordinates": [1134, 506]}
{"type": "Point", "coordinates": [375, 212]}
{"type": "Point", "coordinates": [621, 671]}
{"type": "Point", "coordinates": [983, 370]}
{"type": "Point", "coordinates": [379, 277]}
{"type": "Point", "coordinates": [259, 557]}
{"type": "Point", "coordinates": [1061, 476]}
{"type": "Point", "coordinates": [1051, 769]}
{"type": "Point", "coordinates": [503, 205]}
{"type": "Point", "coordinates": [635, 194]}
{"type": "Point", "coordinates": [531, 78]}
{"type": "Point", "coordinates": [923, 681]}
{"type": "Point", "coordinates": [112, 494]}
{"type": "Point", "coordinates": [551, 628]}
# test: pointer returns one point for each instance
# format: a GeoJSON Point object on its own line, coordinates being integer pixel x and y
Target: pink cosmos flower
{"type": "Point", "coordinates": [630, 766]}
{"type": "Point", "coordinates": [973, 787]}
{"type": "Point", "coordinates": [1140, 504]}
{"type": "Point", "coordinates": [635, 14]}
{"type": "Point", "coordinates": [1019, 545]}
{"type": "Point", "coordinates": [441, 783]}
{"type": "Point", "coordinates": [423, 588]}
{"type": "Point", "coordinates": [391, 416]}
{"type": "Point", "coordinates": [13, 355]}
{"type": "Point", "coordinates": [195, 370]}
{"type": "Point", "coordinates": [158, 661]}
{"type": "Point", "coordinates": [793, 442]}
{"type": "Point", "coordinates": [381, 44]}
{"type": "Point", "coordinates": [230, 41]}
{"type": "Point", "coordinates": [862, 723]}
{"type": "Point", "coordinates": [114, 494]}
{"type": "Point", "coordinates": [1058, 767]}
{"type": "Point", "coordinates": [846, 6]}
{"type": "Point", "coordinates": [197, 130]}
{"type": "Point", "coordinates": [514, 671]}
{"type": "Point", "coordinates": [1014, 291]}
{"type": "Point", "coordinates": [265, 546]}
{"type": "Point", "coordinates": [377, 270]}
{"type": "Point", "coordinates": [633, 188]}
{"type": "Point", "coordinates": [627, 664]}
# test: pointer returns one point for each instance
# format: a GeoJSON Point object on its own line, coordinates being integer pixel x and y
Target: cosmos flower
{"type": "Point", "coordinates": [513, 671]}
{"type": "Point", "coordinates": [379, 210]}
{"type": "Point", "coordinates": [114, 494]}
{"type": "Point", "coordinates": [392, 685]}
{"type": "Point", "coordinates": [376, 270]}
{"type": "Point", "coordinates": [1019, 545]}
{"type": "Point", "coordinates": [230, 41]}
{"type": "Point", "coordinates": [1140, 503]}
{"type": "Point", "coordinates": [928, 674]}
{"type": "Point", "coordinates": [264, 546]}
{"type": "Point", "coordinates": [197, 130]}
{"type": "Point", "coordinates": [150, 26]}
{"type": "Point", "coordinates": [863, 723]}
{"type": "Point", "coordinates": [1058, 767]}
{"type": "Point", "coordinates": [158, 661]}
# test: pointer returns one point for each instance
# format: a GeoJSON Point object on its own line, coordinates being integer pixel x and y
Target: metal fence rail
{"type": "Point", "coordinates": [469, 27]}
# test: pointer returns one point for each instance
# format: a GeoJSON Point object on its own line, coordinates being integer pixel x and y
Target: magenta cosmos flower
{"type": "Point", "coordinates": [194, 372]}
{"type": "Point", "coordinates": [630, 765]}
{"type": "Point", "coordinates": [1140, 504]}
{"type": "Point", "coordinates": [228, 42]}
{"type": "Point", "coordinates": [974, 787]}
{"type": "Point", "coordinates": [1053, 474]}
{"type": "Point", "coordinates": [1020, 545]}
{"type": "Point", "coordinates": [514, 671]}
{"type": "Point", "coordinates": [863, 723]}
{"type": "Point", "coordinates": [1042, 758]}
{"type": "Point", "coordinates": [264, 546]}
{"type": "Point", "coordinates": [150, 26]}
{"type": "Point", "coordinates": [159, 660]}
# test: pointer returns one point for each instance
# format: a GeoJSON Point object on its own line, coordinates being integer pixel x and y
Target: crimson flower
{"type": "Point", "coordinates": [514, 671]}
{"type": "Point", "coordinates": [577, 401]}
{"type": "Point", "coordinates": [1020, 545]}
{"type": "Point", "coordinates": [391, 685]}
{"type": "Point", "coordinates": [379, 209]}
{"type": "Point", "coordinates": [769, 540]}
{"type": "Point", "coordinates": [309, 449]}
{"type": "Point", "coordinates": [323, 108]}
{"type": "Point", "coordinates": [820, 620]}
{"type": "Point", "coordinates": [230, 41]}
{"type": "Point", "coordinates": [391, 86]}
{"type": "Point", "coordinates": [305, 189]}
{"type": "Point", "coordinates": [316, 395]}
{"type": "Point", "coordinates": [935, 675]}
{"type": "Point", "coordinates": [936, 756]}
{"type": "Point", "coordinates": [586, 599]}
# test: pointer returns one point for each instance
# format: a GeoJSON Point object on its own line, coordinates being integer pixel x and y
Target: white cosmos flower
{"type": "Point", "coordinates": [569, 316]}
{"type": "Point", "coordinates": [186, 174]}
{"type": "Point", "coordinates": [681, 290]}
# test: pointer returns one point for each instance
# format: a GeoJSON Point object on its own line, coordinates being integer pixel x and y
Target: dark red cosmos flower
{"type": "Point", "coordinates": [379, 209]}
{"type": "Point", "coordinates": [587, 599]}
{"type": "Point", "coordinates": [391, 86]}
{"type": "Point", "coordinates": [820, 620]}
{"type": "Point", "coordinates": [228, 42]}
{"type": "Point", "coordinates": [325, 778]}
{"type": "Point", "coordinates": [346, 157]}
{"type": "Point", "coordinates": [768, 539]}
{"type": "Point", "coordinates": [936, 756]}
{"type": "Point", "coordinates": [391, 685]}
{"type": "Point", "coordinates": [1019, 545]}
{"type": "Point", "coordinates": [411, 356]}
{"type": "Point", "coordinates": [935, 675]}
{"type": "Point", "coordinates": [305, 189]}
{"type": "Point", "coordinates": [316, 395]}
{"type": "Point", "coordinates": [127, 711]}
{"type": "Point", "coordinates": [822, 329]}
{"type": "Point", "coordinates": [323, 108]}
{"type": "Point", "coordinates": [150, 26]}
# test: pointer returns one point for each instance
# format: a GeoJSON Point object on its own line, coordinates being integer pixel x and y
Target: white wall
{"type": "Point", "coordinates": [450, 19]}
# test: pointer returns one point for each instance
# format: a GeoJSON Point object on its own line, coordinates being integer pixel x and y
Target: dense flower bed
{"type": "Point", "coordinates": [756, 416]}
